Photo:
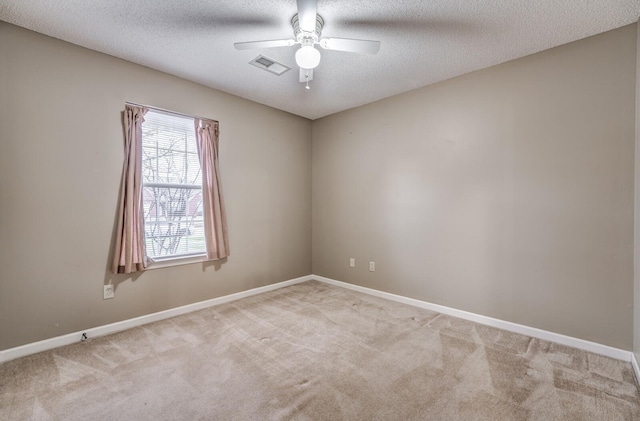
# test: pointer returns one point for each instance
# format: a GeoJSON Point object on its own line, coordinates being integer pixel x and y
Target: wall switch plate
{"type": "Point", "coordinates": [352, 262]}
{"type": "Point", "coordinates": [372, 266]}
{"type": "Point", "coordinates": [108, 292]}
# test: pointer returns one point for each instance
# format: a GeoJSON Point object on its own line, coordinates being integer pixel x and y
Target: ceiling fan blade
{"type": "Point", "coordinates": [350, 45]}
{"type": "Point", "coordinates": [306, 74]}
{"type": "Point", "coordinates": [307, 14]}
{"type": "Point", "coordinates": [264, 44]}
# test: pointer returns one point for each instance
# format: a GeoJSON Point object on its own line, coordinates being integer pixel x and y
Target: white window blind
{"type": "Point", "coordinates": [172, 187]}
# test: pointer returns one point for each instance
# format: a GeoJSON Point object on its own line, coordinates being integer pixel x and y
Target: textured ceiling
{"type": "Point", "coordinates": [422, 42]}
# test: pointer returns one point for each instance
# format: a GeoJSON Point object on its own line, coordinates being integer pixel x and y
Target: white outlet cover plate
{"type": "Point", "coordinates": [108, 292]}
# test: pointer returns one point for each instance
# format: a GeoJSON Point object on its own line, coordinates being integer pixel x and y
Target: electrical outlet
{"type": "Point", "coordinates": [372, 266]}
{"type": "Point", "coordinates": [352, 262]}
{"type": "Point", "coordinates": [108, 292]}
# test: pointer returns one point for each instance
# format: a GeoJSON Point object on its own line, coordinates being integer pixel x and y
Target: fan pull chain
{"type": "Point", "coordinates": [306, 76]}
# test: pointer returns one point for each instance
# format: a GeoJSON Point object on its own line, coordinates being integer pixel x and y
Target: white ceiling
{"type": "Point", "coordinates": [422, 42]}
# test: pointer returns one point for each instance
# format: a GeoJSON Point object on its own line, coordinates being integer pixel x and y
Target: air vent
{"type": "Point", "coordinates": [270, 65]}
{"type": "Point", "coordinates": [264, 61]}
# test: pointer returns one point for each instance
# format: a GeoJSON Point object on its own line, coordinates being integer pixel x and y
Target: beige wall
{"type": "Point", "coordinates": [60, 163]}
{"type": "Point", "coordinates": [506, 192]}
{"type": "Point", "coordinates": [636, 255]}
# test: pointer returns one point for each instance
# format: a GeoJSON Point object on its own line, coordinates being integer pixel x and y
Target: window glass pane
{"type": "Point", "coordinates": [149, 164]}
{"type": "Point", "coordinates": [192, 147]}
{"type": "Point", "coordinates": [194, 175]}
{"type": "Point", "coordinates": [172, 186]}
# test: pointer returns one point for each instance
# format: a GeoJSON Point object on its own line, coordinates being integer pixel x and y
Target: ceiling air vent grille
{"type": "Point", "coordinates": [270, 65]}
{"type": "Point", "coordinates": [264, 61]}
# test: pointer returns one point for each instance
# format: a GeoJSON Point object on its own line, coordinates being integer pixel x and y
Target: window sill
{"type": "Point", "coordinates": [176, 261]}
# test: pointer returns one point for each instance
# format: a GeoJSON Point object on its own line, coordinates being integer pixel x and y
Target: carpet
{"type": "Point", "coordinates": [313, 351]}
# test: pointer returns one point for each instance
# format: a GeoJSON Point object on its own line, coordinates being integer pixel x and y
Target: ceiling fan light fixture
{"type": "Point", "coordinates": [308, 57]}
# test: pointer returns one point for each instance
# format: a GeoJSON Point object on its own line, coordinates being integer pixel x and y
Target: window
{"type": "Point", "coordinates": [171, 203]}
{"type": "Point", "coordinates": [171, 187]}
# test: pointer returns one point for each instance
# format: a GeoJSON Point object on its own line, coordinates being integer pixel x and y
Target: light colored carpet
{"type": "Point", "coordinates": [316, 352]}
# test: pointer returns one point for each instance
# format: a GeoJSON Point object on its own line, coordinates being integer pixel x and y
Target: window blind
{"type": "Point", "coordinates": [172, 187]}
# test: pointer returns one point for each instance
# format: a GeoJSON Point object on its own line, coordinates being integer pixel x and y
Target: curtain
{"type": "Point", "coordinates": [129, 255]}
{"type": "Point", "coordinates": [215, 218]}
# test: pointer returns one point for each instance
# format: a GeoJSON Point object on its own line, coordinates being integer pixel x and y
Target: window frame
{"type": "Point", "coordinates": [174, 259]}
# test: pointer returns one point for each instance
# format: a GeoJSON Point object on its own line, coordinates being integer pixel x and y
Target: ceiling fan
{"type": "Point", "coordinates": [307, 28]}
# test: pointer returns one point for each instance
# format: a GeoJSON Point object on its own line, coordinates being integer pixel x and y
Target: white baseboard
{"type": "Point", "coordinates": [636, 369]}
{"type": "Point", "coordinates": [596, 348]}
{"type": "Point", "coordinates": [35, 347]}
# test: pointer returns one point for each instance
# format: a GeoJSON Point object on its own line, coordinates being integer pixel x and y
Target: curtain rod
{"type": "Point", "coordinates": [169, 111]}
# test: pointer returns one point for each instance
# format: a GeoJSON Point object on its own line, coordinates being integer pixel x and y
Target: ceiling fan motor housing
{"type": "Point", "coordinates": [307, 38]}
